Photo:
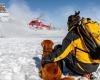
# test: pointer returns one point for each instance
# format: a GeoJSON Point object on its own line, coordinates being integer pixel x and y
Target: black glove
{"type": "Point", "coordinates": [58, 46]}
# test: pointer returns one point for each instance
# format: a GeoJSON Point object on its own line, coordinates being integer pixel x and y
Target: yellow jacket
{"type": "Point", "coordinates": [71, 44]}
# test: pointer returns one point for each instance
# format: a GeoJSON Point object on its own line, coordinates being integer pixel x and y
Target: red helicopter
{"type": "Point", "coordinates": [38, 24]}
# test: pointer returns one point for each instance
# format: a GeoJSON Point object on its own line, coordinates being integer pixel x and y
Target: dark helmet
{"type": "Point", "coordinates": [73, 20]}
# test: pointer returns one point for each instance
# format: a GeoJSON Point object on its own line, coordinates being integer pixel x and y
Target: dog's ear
{"type": "Point", "coordinates": [52, 43]}
{"type": "Point", "coordinates": [42, 43]}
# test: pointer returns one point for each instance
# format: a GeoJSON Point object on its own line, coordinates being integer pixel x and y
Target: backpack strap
{"type": "Point", "coordinates": [86, 38]}
{"type": "Point", "coordinates": [83, 50]}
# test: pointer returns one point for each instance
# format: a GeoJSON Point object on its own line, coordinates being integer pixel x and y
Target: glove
{"type": "Point", "coordinates": [57, 46]}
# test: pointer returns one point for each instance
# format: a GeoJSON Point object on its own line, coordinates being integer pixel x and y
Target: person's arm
{"type": "Point", "coordinates": [65, 53]}
{"type": "Point", "coordinates": [67, 46]}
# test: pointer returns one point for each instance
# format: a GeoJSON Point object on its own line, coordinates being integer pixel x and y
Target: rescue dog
{"type": "Point", "coordinates": [49, 71]}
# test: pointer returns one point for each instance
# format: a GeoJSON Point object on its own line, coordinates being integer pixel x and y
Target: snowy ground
{"type": "Point", "coordinates": [20, 57]}
{"type": "Point", "coordinates": [16, 61]}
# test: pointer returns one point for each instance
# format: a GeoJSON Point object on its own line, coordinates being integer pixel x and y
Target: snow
{"type": "Point", "coordinates": [20, 57]}
{"type": "Point", "coordinates": [16, 61]}
{"type": "Point", "coordinates": [4, 14]}
{"type": "Point", "coordinates": [4, 17]}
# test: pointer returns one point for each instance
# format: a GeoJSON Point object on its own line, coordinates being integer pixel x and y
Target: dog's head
{"type": "Point", "coordinates": [47, 46]}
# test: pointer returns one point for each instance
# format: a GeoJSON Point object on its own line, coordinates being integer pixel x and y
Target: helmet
{"type": "Point", "coordinates": [73, 20]}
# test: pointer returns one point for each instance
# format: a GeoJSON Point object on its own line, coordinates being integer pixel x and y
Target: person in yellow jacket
{"type": "Point", "coordinates": [76, 60]}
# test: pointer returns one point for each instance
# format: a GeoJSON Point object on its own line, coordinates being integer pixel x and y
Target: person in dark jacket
{"type": "Point", "coordinates": [76, 60]}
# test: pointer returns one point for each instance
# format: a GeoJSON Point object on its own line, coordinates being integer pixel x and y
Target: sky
{"type": "Point", "coordinates": [55, 12]}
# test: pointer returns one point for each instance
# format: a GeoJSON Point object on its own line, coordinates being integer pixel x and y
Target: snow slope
{"type": "Point", "coordinates": [20, 57]}
{"type": "Point", "coordinates": [16, 58]}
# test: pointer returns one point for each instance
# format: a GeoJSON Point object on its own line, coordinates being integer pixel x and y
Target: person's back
{"type": "Point", "coordinates": [73, 45]}
{"type": "Point", "coordinates": [76, 60]}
